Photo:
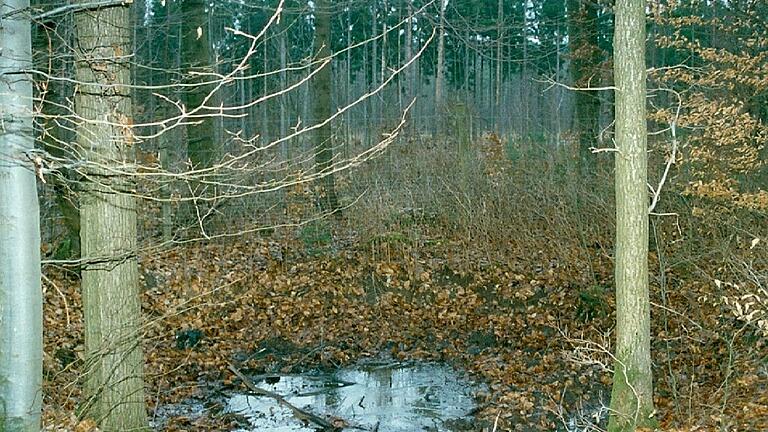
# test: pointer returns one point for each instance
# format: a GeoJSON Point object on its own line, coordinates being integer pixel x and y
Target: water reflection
{"type": "Point", "coordinates": [391, 397]}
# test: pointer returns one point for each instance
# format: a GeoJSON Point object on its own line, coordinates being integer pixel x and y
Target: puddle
{"type": "Point", "coordinates": [382, 397]}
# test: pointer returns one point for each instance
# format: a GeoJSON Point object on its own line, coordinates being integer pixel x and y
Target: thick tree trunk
{"type": "Point", "coordinates": [632, 396]}
{"type": "Point", "coordinates": [114, 376]}
{"type": "Point", "coordinates": [585, 56]}
{"type": "Point", "coordinates": [21, 306]}
{"type": "Point", "coordinates": [322, 108]}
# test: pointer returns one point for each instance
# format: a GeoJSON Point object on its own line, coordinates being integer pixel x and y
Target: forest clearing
{"type": "Point", "coordinates": [384, 215]}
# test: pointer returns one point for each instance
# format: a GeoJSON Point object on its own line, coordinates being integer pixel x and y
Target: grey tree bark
{"type": "Point", "coordinates": [21, 305]}
{"type": "Point", "coordinates": [321, 109]}
{"type": "Point", "coordinates": [110, 278]}
{"type": "Point", "coordinates": [632, 394]}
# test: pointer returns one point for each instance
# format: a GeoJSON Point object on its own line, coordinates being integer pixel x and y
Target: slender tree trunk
{"type": "Point", "coordinates": [384, 46]}
{"type": "Point", "coordinates": [585, 56]}
{"type": "Point", "coordinates": [410, 74]}
{"type": "Point", "coordinates": [110, 278]}
{"type": "Point", "coordinates": [375, 108]}
{"type": "Point", "coordinates": [440, 72]}
{"type": "Point", "coordinates": [632, 396]}
{"type": "Point", "coordinates": [170, 139]}
{"type": "Point", "coordinates": [322, 108]}
{"type": "Point", "coordinates": [499, 63]}
{"type": "Point", "coordinates": [524, 75]}
{"type": "Point", "coordinates": [348, 87]}
{"type": "Point", "coordinates": [196, 58]}
{"type": "Point", "coordinates": [21, 305]}
{"type": "Point", "coordinates": [53, 128]}
{"type": "Point", "coordinates": [265, 137]}
{"type": "Point", "coordinates": [283, 99]}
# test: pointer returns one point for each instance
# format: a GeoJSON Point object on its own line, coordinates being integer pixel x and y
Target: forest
{"type": "Point", "coordinates": [383, 215]}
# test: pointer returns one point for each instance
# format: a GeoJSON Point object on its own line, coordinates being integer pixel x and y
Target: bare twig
{"type": "Point", "coordinates": [79, 7]}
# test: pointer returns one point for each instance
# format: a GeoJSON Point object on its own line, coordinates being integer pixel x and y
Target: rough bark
{"type": "Point", "coordinates": [585, 58]}
{"type": "Point", "coordinates": [321, 109]}
{"type": "Point", "coordinates": [632, 395]}
{"type": "Point", "coordinates": [21, 335]}
{"type": "Point", "coordinates": [114, 373]}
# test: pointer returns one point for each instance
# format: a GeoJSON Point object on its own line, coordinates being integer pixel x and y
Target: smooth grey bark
{"type": "Point", "coordinates": [632, 394]}
{"type": "Point", "coordinates": [21, 305]}
{"type": "Point", "coordinates": [321, 109]}
{"type": "Point", "coordinates": [114, 383]}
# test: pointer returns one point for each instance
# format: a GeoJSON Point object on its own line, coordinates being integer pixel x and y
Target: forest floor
{"type": "Point", "coordinates": [535, 333]}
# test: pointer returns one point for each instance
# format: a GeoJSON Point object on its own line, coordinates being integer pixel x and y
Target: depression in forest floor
{"type": "Point", "coordinates": [384, 396]}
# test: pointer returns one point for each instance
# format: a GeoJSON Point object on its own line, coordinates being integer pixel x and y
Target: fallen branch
{"type": "Point", "coordinates": [299, 413]}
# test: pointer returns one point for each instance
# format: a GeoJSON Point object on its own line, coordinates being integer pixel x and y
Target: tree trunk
{"type": "Point", "coordinates": [374, 101]}
{"type": "Point", "coordinates": [499, 70]}
{"type": "Point", "coordinates": [196, 57]}
{"type": "Point", "coordinates": [284, 147]}
{"type": "Point", "coordinates": [265, 137]}
{"type": "Point", "coordinates": [21, 305]}
{"type": "Point", "coordinates": [110, 278]}
{"type": "Point", "coordinates": [53, 128]}
{"type": "Point", "coordinates": [410, 73]}
{"type": "Point", "coordinates": [322, 108]}
{"type": "Point", "coordinates": [585, 56]}
{"type": "Point", "coordinates": [440, 72]}
{"type": "Point", "coordinates": [632, 396]}
{"type": "Point", "coordinates": [524, 84]}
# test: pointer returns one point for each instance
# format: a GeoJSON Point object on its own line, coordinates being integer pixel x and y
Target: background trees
{"type": "Point", "coordinates": [490, 206]}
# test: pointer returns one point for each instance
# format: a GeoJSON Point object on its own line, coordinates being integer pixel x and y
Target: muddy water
{"type": "Point", "coordinates": [383, 397]}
